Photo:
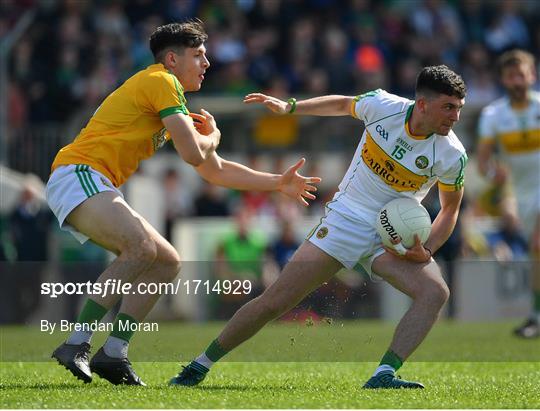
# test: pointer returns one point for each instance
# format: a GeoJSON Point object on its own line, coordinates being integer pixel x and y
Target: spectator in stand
{"type": "Point", "coordinates": [76, 52]}
{"type": "Point", "coordinates": [211, 202]}
{"type": "Point", "coordinates": [507, 28]}
{"type": "Point", "coordinates": [508, 243]}
{"type": "Point", "coordinates": [257, 202]}
{"type": "Point", "coordinates": [29, 228]}
{"type": "Point", "coordinates": [240, 256]}
{"type": "Point", "coordinates": [285, 246]}
{"type": "Point", "coordinates": [178, 200]}
{"type": "Point", "coordinates": [480, 80]}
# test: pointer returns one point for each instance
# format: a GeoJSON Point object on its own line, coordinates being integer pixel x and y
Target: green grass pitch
{"type": "Point", "coordinates": [292, 365]}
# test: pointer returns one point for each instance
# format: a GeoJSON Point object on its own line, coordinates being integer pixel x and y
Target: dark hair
{"type": "Point", "coordinates": [514, 58]}
{"type": "Point", "coordinates": [440, 80]}
{"type": "Point", "coordinates": [188, 34]}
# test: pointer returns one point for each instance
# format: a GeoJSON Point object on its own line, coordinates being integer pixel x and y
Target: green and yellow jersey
{"type": "Point", "coordinates": [127, 127]}
{"type": "Point", "coordinates": [516, 132]}
{"type": "Point", "coordinates": [390, 162]}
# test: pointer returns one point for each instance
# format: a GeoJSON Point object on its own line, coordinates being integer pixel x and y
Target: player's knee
{"type": "Point", "coordinates": [139, 246]}
{"type": "Point", "coordinates": [445, 293]}
{"type": "Point", "coordinates": [176, 266]}
{"type": "Point", "coordinates": [440, 292]}
{"type": "Point", "coordinates": [435, 292]}
{"type": "Point", "coordinates": [168, 262]}
{"type": "Point", "coordinates": [173, 264]}
{"type": "Point", "coordinates": [144, 251]}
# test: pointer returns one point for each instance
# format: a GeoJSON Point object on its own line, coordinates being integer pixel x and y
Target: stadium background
{"type": "Point", "coordinates": [59, 59]}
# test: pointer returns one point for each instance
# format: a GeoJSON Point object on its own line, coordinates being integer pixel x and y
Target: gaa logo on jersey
{"type": "Point", "coordinates": [421, 162]}
{"type": "Point", "coordinates": [382, 132]}
{"type": "Point", "coordinates": [323, 231]}
{"type": "Point", "coordinates": [159, 139]}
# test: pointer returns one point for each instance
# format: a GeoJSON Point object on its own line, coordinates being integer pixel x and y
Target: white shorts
{"type": "Point", "coordinates": [348, 238]}
{"type": "Point", "coordinates": [71, 185]}
{"type": "Point", "coordinates": [528, 209]}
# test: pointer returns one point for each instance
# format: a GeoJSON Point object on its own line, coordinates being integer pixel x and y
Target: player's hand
{"type": "Point", "coordinates": [417, 253]}
{"type": "Point", "coordinates": [272, 103]}
{"type": "Point", "coordinates": [501, 175]}
{"type": "Point", "coordinates": [204, 123]}
{"type": "Point", "coordinates": [296, 186]}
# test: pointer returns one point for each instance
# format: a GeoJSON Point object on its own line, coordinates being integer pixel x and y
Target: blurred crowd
{"type": "Point", "coordinates": [77, 51]}
{"type": "Point", "coordinates": [208, 200]}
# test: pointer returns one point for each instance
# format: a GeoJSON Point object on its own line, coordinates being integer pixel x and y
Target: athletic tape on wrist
{"type": "Point", "coordinates": [400, 249]}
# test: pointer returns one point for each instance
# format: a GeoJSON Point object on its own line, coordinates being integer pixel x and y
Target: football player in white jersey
{"type": "Point", "coordinates": [407, 146]}
{"type": "Point", "coordinates": [512, 124]}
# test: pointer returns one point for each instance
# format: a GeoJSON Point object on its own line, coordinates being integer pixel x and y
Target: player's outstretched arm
{"type": "Point", "coordinates": [318, 106]}
{"type": "Point", "coordinates": [195, 141]}
{"type": "Point", "coordinates": [487, 165]}
{"type": "Point", "coordinates": [219, 171]}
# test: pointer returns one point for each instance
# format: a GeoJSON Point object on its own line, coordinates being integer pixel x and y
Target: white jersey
{"type": "Point", "coordinates": [390, 162]}
{"type": "Point", "coordinates": [517, 134]}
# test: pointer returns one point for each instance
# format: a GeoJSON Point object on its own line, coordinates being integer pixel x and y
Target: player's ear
{"type": "Point", "coordinates": [171, 58]}
{"type": "Point", "coordinates": [421, 104]}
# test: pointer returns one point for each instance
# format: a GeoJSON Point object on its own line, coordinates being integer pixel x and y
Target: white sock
{"type": "Point", "coordinates": [116, 347]}
{"type": "Point", "coordinates": [79, 337]}
{"type": "Point", "coordinates": [384, 367]}
{"type": "Point", "coordinates": [204, 361]}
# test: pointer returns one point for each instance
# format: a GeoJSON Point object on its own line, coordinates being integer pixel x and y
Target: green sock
{"type": "Point", "coordinates": [536, 301]}
{"type": "Point", "coordinates": [122, 327]}
{"type": "Point", "coordinates": [391, 358]}
{"type": "Point", "coordinates": [91, 312]}
{"type": "Point", "coordinates": [214, 352]}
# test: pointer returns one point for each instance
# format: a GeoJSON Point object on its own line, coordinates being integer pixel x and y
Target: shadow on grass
{"type": "Point", "coordinates": [43, 386]}
{"type": "Point", "coordinates": [99, 385]}
{"type": "Point", "coordinates": [94, 386]}
{"type": "Point", "coordinates": [243, 388]}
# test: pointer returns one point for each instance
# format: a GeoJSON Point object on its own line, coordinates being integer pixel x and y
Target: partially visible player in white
{"type": "Point", "coordinates": [512, 125]}
{"type": "Point", "coordinates": [407, 146]}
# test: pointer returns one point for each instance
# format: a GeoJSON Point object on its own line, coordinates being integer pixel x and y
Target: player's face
{"type": "Point", "coordinates": [517, 79]}
{"type": "Point", "coordinates": [190, 67]}
{"type": "Point", "coordinates": [442, 112]}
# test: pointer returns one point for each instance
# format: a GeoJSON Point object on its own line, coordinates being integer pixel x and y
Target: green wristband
{"type": "Point", "coordinates": [292, 102]}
